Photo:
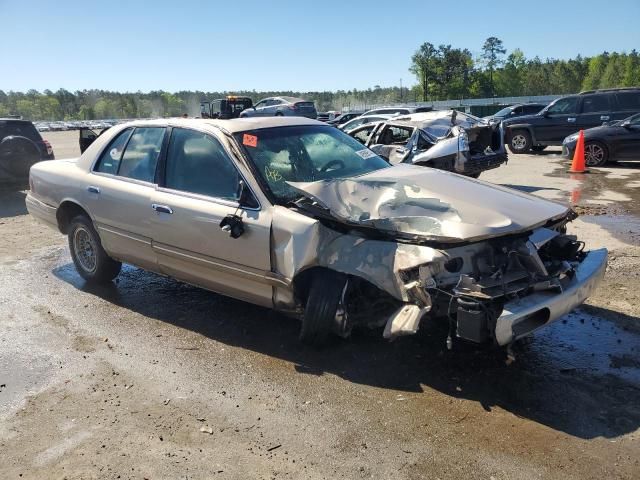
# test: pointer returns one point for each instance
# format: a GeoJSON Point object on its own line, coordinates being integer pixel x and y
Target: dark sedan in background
{"type": "Point", "coordinates": [616, 141]}
{"type": "Point", "coordinates": [515, 111]}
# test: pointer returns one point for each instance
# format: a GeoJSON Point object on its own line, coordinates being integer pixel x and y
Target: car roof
{"type": "Point", "coordinates": [292, 99]}
{"type": "Point", "coordinates": [232, 125]}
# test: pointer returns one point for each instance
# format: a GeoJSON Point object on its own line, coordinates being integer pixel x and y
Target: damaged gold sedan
{"type": "Point", "coordinates": [295, 215]}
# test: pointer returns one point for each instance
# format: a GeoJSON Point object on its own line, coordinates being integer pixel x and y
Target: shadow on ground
{"type": "Point", "coordinates": [544, 385]}
{"type": "Point", "coordinates": [12, 203]}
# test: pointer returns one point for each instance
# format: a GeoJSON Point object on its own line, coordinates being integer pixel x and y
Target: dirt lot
{"type": "Point", "coordinates": [150, 378]}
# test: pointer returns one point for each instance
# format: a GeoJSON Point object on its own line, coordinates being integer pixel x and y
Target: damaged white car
{"type": "Point", "coordinates": [295, 215]}
{"type": "Point", "coordinates": [446, 139]}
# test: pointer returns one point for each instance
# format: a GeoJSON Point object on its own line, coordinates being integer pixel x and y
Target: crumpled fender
{"type": "Point", "coordinates": [299, 242]}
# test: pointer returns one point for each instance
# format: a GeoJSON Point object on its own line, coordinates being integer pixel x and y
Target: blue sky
{"type": "Point", "coordinates": [281, 45]}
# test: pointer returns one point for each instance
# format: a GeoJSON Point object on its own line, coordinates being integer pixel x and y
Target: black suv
{"type": "Point", "coordinates": [569, 114]}
{"type": "Point", "coordinates": [514, 111]}
{"type": "Point", "coordinates": [20, 147]}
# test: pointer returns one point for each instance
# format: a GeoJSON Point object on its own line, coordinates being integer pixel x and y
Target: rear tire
{"type": "Point", "coordinates": [595, 154]}
{"type": "Point", "coordinates": [322, 305]}
{"type": "Point", "coordinates": [91, 261]}
{"type": "Point", "coordinates": [279, 114]}
{"type": "Point", "coordinates": [520, 142]}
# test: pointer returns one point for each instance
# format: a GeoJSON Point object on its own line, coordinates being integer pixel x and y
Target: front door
{"type": "Point", "coordinates": [560, 121]}
{"type": "Point", "coordinates": [200, 189]}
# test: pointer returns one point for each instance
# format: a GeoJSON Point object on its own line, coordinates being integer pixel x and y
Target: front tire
{"type": "Point", "coordinates": [595, 154]}
{"type": "Point", "coordinates": [91, 261]}
{"type": "Point", "coordinates": [520, 142]}
{"type": "Point", "coordinates": [325, 295]}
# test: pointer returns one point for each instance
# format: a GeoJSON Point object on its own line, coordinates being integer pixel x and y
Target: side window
{"type": "Point", "coordinates": [198, 163]}
{"type": "Point", "coordinates": [564, 106]}
{"type": "Point", "coordinates": [109, 161]}
{"type": "Point", "coordinates": [261, 103]}
{"type": "Point", "coordinates": [629, 100]}
{"type": "Point", "coordinates": [595, 103]}
{"type": "Point", "coordinates": [363, 135]}
{"type": "Point", "coordinates": [518, 110]}
{"type": "Point", "coordinates": [140, 157]}
{"type": "Point", "coordinates": [531, 109]}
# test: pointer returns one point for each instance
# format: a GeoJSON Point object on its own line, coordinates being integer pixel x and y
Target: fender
{"type": "Point", "coordinates": [520, 126]}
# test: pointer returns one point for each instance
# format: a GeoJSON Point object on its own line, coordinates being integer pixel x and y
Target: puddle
{"type": "Point", "coordinates": [589, 344]}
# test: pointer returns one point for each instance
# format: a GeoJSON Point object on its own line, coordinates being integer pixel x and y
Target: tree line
{"type": "Point", "coordinates": [442, 73]}
{"type": "Point", "coordinates": [445, 72]}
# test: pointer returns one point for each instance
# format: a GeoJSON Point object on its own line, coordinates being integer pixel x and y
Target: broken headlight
{"type": "Point", "coordinates": [463, 141]}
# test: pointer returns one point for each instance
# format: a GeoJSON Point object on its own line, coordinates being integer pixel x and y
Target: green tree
{"type": "Point", "coordinates": [492, 52]}
{"type": "Point", "coordinates": [423, 66]}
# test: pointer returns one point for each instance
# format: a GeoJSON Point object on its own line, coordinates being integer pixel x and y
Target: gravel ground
{"type": "Point", "coordinates": [151, 378]}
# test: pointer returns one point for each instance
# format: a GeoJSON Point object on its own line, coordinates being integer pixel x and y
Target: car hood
{"type": "Point", "coordinates": [520, 119]}
{"type": "Point", "coordinates": [421, 203]}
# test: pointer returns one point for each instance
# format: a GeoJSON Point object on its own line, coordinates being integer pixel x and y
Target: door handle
{"type": "Point", "coordinates": [162, 208]}
{"type": "Point", "coordinates": [92, 189]}
{"type": "Point", "coordinates": [604, 117]}
{"type": "Point", "coordinates": [571, 119]}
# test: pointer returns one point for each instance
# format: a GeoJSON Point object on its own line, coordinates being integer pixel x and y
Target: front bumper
{"type": "Point", "coordinates": [568, 149]}
{"type": "Point", "coordinates": [481, 163]}
{"type": "Point", "coordinates": [525, 315]}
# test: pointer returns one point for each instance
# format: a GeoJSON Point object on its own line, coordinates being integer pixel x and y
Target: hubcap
{"type": "Point", "coordinates": [594, 154]}
{"type": "Point", "coordinates": [518, 142]}
{"type": "Point", "coordinates": [84, 248]}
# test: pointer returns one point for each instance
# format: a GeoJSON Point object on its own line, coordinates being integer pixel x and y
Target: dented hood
{"type": "Point", "coordinates": [429, 204]}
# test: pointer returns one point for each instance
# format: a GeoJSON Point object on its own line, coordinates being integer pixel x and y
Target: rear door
{"type": "Point", "coordinates": [628, 103]}
{"type": "Point", "coordinates": [119, 191]}
{"type": "Point", "coordinates": [596, 109]}
{"type": "Point", "coordinates": [559, 121]}
{"type": "Point", "coordinates": [198, 190]}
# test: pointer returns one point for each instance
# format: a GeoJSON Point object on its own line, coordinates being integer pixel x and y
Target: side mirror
{"type": "Point", "coordinates": [232, 224]}
{"type": "Point", "coordinates": [546, 114]}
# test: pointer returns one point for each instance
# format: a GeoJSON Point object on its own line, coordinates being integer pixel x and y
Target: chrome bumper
{"type": "Point", "coordinates": [41, 211]}
{"type": "Point", "coordinates": [525, 315]}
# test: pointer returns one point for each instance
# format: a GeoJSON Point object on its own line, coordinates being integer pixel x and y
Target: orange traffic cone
{"type": "Point", "coordinates": [577, 165]}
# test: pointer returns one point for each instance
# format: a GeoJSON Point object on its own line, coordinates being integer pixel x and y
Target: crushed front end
{"type": "Point", "coordinates": [502, 289]}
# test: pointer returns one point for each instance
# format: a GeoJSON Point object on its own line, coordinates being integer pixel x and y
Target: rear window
{"type": "Point", "coordinates": [629, 100]}
{"type": "Point", "coordinates": [20, 129]}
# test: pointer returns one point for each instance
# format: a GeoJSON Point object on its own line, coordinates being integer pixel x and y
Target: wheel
{"type": "Point", "coordinates": [538, 148]}
{"type": "Point", "coordinates": [91, 261]}
{"type": "Point", "coordinates": [520, 142]}
{"type": "Point", "coordinates": [325, 296]}
{"type": "Point", "coordinates": [595, 154]}
{"type": "Point", "coordinates": [474, 175]}
{"type": "Point", "coordinates": [279, 114]}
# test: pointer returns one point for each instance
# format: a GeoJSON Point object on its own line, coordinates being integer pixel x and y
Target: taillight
{"type": "Point", "coordinates": [48, 146]}
{"type": "Point", "coordinates": [293, 107]}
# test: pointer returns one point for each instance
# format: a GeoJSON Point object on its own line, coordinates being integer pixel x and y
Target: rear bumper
{"type": "Point", "coordinates": [41, 211]}
{"type": "Point", "coordinates": [525, 315]}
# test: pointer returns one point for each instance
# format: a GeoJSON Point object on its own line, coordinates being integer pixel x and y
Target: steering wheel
{"type": "Point", "coordinates": [327, 165]}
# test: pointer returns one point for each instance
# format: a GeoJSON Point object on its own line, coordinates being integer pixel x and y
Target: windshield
{"type": "Point", "coordinates": [305, 153]}
{"type": "Point", "coordinates": [502, 113]}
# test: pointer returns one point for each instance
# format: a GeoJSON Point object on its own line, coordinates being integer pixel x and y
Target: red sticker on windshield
{"type": "Point", "coordinates": [249, 140]}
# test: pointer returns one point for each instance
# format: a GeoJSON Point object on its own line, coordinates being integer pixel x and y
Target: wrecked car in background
{"type": "Point", "coordinates": [295, 215]}
{"type": "Point", "coordinates": [447, 139]}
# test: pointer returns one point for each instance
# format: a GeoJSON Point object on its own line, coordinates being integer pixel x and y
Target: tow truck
{"type": "Point", "coordinates": [225, 108]}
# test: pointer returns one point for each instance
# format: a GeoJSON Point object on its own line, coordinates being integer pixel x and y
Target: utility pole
{"type": "Point", "coordinates": [400, 90]}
